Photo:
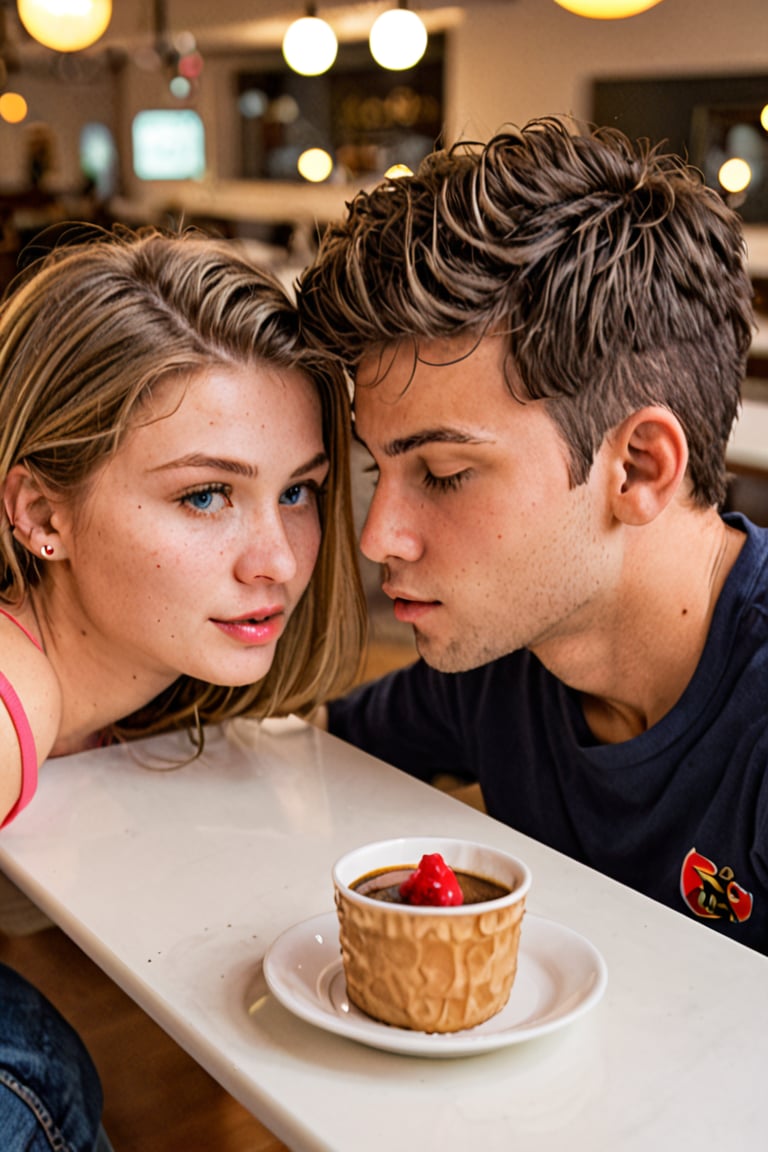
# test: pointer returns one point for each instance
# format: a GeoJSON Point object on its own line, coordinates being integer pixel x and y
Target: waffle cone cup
{"type": "Point", "coordinates": [432, 969]}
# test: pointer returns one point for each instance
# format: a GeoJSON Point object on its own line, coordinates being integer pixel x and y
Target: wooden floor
{"type": "Point", "coordinates": [157, 1099]}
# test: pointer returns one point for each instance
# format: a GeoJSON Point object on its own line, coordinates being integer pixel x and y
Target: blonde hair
{"type": "Point", "coordinates": [86, 333]}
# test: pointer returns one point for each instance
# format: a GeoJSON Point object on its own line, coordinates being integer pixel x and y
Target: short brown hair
{"type": "Point", "coordinates": [619, 279]}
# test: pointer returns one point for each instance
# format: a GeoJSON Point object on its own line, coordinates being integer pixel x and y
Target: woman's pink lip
{"type": "Point", "coordinates": [259, 614]}
{"type": "Point", "coordinates": [261, 629]}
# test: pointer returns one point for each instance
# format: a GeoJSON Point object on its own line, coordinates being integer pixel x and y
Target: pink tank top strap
{"type": "Point", "coordinates": [26, 746]}
{"type": "Point", "coordinates": [18, 624]}
{"type": "Point", "coordinates": [24, 735]}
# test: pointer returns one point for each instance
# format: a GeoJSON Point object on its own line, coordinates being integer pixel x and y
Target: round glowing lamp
{"type": "Point", "coordinates": [398, 39]}
{"type": "Point", "coordinates": [310, 46]}
{"type": "Point", "coordinates": [607, 9]}
{"type": "Point", "coordinates": [315, 165]}
{"type": "Point", "coordinates": [398, 171]}
{"type": "Point", "coordinates": [735, 175]}
{"type": "Point", "coordinates": [764, 117]}
{"type": "Point", "coordinates": [65, 25]}
{"type": "Point", "coordinates": [13, 107]}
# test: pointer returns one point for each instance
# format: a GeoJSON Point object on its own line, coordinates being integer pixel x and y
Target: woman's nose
{"type": "Point", "coordinates": [268, 554]}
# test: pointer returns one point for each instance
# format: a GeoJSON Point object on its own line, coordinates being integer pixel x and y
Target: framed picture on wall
{"type": "Point", "coordinates": [709, 120]}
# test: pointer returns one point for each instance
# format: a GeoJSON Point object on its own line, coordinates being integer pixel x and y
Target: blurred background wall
{"type": "Point", "coordinates": [504, 61]}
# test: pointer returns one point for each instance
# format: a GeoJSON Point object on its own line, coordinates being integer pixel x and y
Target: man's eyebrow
{"type": "Point", "coordinates": [403, 444]}
{"type": "Point", "coordinates": [236, 467]}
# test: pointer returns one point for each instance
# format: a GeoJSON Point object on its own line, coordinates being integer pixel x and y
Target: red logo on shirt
{"type": "Point", "coordinates": [713, 893]}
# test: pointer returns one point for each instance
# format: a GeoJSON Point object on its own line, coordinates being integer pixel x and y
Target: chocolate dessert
{"type": "Point", "coordinates": [385, 885]}
{"type": "Point", "coordinates": [427, 946]}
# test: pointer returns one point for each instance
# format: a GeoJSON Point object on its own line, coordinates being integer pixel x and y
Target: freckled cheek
{"type": "Point", "coordinates": [317, 539]}
{"type": "Point", "coordinates": [306, 549]}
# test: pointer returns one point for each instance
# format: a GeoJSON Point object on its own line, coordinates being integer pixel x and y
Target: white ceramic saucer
{"type": "Point", "coordinates": [560, 976]}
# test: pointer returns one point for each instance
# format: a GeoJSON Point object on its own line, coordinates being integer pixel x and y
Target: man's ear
{"type": "Point", "coordinates": [31, 514]}
{"type": "Point", "coordinates": [649, 460]}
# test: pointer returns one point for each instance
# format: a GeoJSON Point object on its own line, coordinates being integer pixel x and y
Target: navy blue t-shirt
{"type": "Point", "coordinates": [679, 813]}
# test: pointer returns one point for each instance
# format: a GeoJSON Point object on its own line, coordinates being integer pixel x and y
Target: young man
{"type": "Point", "coordinates": [547, 337]}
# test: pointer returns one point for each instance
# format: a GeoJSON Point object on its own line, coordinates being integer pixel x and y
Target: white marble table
{"type": "Point", "coordinates": [177, 882]}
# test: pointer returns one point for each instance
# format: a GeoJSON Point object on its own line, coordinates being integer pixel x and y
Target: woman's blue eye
{"type": "Point", "coordinates": [294, 495]}
{"type": "Point", "coordinates": [201, 500]}
{"type": "Point", "coordinates": [210, 499]}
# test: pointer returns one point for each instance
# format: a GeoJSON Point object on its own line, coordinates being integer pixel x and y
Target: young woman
{"type": "Point", "coordinates": [176, 542]}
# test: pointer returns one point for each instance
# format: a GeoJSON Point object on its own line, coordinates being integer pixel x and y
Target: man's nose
{"type": "Point", "coordinates": [391, 528]}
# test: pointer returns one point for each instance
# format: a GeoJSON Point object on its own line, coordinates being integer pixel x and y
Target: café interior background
{"type": "Point", "coordinates": [693, 71]}
{"type": "Point", "coordinates": [504, 61]}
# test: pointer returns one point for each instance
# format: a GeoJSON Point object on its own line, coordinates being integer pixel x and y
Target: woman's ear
{"type": "Point", "coordinates": [31, 514]}
{"type": "Point", "coordinates": [649, 457]}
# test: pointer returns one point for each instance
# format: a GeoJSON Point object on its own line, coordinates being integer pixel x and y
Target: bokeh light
{"type": "Point", "coordinates": [65, 25]}
{"type": "Point", "coordinates": [180, 87]}
{"type": "Point", "coordinates": [735, 175]}
{"type": "Point", "coordinates": [310, 46]}
{"type": "Point", "coordinates": [398, 39]}
{"type": "Point", "coordinates": [607, 9]}
{"type": "Point", "coordinates": [315, 165]}
{"type": "Point", "coordinates": [397, 171]}
{"type": "Point", "coordinates": [13, 107]}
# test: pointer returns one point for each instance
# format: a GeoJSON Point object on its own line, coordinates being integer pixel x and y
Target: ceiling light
{"type": "Point", "coordinates": [398, 38]}
{"type": "Point", "coordinates": [398, 171]}
{"type": "Point", "coordinates": [310, 45]}
{"type": "Point", "coordinates": [607, 9]}
{"type": "Point", "coordinates": [65, 25]}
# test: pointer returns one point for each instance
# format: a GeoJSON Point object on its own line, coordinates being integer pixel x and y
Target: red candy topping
{"type": "Point", "coordinates": [432, 883]}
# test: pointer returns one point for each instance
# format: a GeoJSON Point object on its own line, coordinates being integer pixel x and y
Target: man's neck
{"type": "Point", "coordinates": [633, 665]}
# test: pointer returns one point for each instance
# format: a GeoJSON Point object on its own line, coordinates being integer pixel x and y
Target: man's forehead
{"type": "Point", "coordinates": [405, 355]}
{"type": "Point", "coordinates": [429, 404]}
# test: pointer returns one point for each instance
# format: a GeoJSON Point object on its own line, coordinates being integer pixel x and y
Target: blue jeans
{"type": "Point", "coordinates": [50, 1094]}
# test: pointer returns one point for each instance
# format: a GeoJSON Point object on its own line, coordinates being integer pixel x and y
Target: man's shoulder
{"type": "Point", "coordinates": [747, 586]}
{"type": "Point", "coordinates": [755, 551]}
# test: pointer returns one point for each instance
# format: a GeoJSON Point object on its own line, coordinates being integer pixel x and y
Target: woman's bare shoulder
{"type": "Point", "coordinates": [28, 683]}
